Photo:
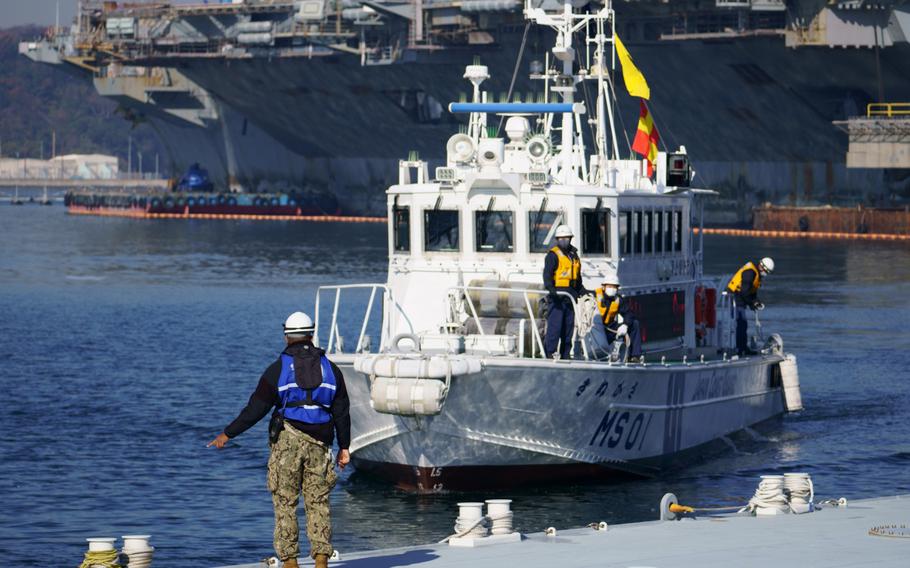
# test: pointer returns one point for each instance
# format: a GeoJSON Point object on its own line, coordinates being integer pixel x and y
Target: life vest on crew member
{"type": "Point", "coordinates": [607, 313]}
{"type": "Point", "coordinates": [736, 283]}
{"type": "Point", "coordinates": [567, 271]}
{"type": "Point", "coordinates": [311, 406]}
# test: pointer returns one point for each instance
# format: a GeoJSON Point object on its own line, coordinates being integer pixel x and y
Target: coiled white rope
{"type": "Point", "coordinates": [799, 489]}
{"type": "Point", "coordinates": [501, 524]}
{"type": "Point", "coordinates": [467, 527]}
{"type": "Point", "coordinates": [478, 527]}
{"type": "Point", "coordinates": [584, 318]}
{"type": "Point", "coordinates": [769, 496]}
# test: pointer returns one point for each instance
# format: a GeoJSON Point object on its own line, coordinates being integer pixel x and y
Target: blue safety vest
{"type": "Point", "coordinates": [311, 406]}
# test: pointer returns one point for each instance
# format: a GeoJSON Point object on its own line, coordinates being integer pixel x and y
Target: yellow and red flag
{"type": "Point", "coordinates": [646, 138]}
{"type": "Point", "coordinates": [631, 76]}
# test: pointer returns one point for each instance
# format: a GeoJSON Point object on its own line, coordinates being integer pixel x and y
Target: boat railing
{"type": "Point", "coordinates": [334, 341]}
{"type": "Point", "coordinates": [536, 339]}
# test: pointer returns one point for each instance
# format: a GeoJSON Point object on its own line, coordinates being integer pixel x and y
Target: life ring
{"type": "Point", "coordinates": [410, 336]}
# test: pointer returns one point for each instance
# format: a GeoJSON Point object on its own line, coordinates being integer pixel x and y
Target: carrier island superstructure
{"type": "Point", "coordinates": [326, 95]}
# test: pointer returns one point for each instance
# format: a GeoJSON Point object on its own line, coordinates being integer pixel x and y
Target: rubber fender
{"type": "Point", "coordinates": [419, 367]}
{"type": "Point", "coordinates": [407, 397]}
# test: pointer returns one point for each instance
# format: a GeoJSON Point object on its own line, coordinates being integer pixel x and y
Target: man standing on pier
{"type": "Point", "coordinates": [561, 274]}
{"type": "Point", "coordinates": [744, 287]}
{"type": "Point", "coordinates": [311, 407]}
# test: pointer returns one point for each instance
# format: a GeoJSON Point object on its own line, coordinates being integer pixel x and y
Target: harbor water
{"type": "Point", "coordinates": [125, 346]}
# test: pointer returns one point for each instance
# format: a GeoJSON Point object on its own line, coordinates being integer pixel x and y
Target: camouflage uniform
{"type": "Point", "coordinates": [297, 460]}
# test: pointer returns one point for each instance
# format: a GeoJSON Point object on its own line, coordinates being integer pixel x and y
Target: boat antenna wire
{"type": "Point", "coordinates": [650, 105]}
{"type": "Point", "coordinates": [584, 89]}
{"type": "Point", "coordinates": [611, 88]}
{"type": "Point", "coordinates": [521, 52]}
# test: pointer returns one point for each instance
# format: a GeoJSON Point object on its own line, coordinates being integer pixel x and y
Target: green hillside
{"type": "Point", "coordinates": [37, 99]}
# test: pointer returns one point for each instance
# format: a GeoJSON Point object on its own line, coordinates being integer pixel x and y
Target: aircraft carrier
{"type": "Point", "coordinates": [325, 96]}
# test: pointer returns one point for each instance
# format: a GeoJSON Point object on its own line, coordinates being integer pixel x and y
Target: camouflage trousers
{"type": "Point", "coordinates": [297, 462]}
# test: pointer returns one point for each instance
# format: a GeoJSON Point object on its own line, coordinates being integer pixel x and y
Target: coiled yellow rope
{"type": "Point", "coordinates": [107, 558]}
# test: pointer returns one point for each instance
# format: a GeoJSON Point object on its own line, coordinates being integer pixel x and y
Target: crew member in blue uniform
{"type": "Point", "coordinates": [561, 273]}
{"type": "Point", "coordinates": [311, 407]}
{"type": "Point", "coordinates": [744, 287]}
{"type": "Point", "coordinates": [618, 319]}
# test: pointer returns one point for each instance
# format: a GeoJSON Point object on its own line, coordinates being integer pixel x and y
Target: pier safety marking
{"type": "Point", "coordinates": [143, 214]}
{"type": "Point", "coordinates": [804, 235]}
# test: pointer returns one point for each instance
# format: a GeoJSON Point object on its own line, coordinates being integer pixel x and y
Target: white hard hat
{"type": "Point", "coordinates": [610, 281]}
{"type": "Point", "coordinates": [298, 323]}
{"type": "Point", "coordinates": [563, 231]}
{"type": "Point", "coordinates": [767, 264]}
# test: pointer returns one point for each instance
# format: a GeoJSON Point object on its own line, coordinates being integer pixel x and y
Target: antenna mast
{"type": "Point", "coordinates": [572, 162]}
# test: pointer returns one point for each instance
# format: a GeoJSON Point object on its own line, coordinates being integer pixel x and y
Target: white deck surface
{"type": "Point", "coordinates": [830, 537]}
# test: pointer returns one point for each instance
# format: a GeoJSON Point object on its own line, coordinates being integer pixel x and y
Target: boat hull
{"type": "Point", "coordinates": [530, 421]}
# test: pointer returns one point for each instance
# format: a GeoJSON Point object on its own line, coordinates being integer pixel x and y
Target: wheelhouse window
{"type": "Point", "coordinates": [648, 232]}
{"type": "Point", "coordinates": [678, 222]}
{"type": "Point", "coordinates": [401, 229]}
{"type": "Point", "coordinates": [493, 231]}
{"type": "Point", "coordinates": [636, 232]}
{"type": "Point", "coordinates": [658, 231]}
{"type": "Point", "coordinates": [668, 231]}
{"type": "Point", "coordinates": [595, 232]}
{"type": "Point", "coordinates": [440, 230]}
{"type": "Point", "coordinates": [539, 225]}
{"type": "Point", "coordinates": [625, 232]}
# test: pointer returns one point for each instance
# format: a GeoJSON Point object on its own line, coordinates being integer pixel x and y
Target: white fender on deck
{"type": "Point", "coordinates": [789, 375]}
{"type": "Point", "coordinates": [408, 397]}
{"type": "Point", "coordinates": [411, 384]}
{"type": "Point", "coordinates": [413, 366]}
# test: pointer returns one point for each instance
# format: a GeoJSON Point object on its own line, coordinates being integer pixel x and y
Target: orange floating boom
{"type": "Point", "coordinates": [143, 214]}
{"type": "Point", "coordinates": [805, 235]}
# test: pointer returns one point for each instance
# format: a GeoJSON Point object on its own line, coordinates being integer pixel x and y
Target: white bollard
{"type": "Point", "coordinates": [469, 514]}
{"type": "Point", "coordinates": [100, 544]}
{"type": "Point", "coordinates": [798, 488]}
{"type": "Point", "coordinates": [770, 496]}
{"type": "Point", "coordinates": [500, 514]}
{"type": "Point", "coordinates": [137, 550]}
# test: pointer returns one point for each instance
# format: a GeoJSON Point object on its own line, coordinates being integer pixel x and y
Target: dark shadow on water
{"type": "Point", "coordinates": [409, 558]}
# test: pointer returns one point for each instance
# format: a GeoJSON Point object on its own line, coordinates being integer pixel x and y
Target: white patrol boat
{"type": "Point", "coordinates": [457, 393]}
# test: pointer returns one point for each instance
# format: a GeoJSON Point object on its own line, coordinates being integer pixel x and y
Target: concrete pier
{"type": "Point", "coordinates": [831, 537]}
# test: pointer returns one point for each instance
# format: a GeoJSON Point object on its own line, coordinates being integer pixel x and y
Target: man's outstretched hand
{"type": "Point", "coordinates": [219, 441]}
